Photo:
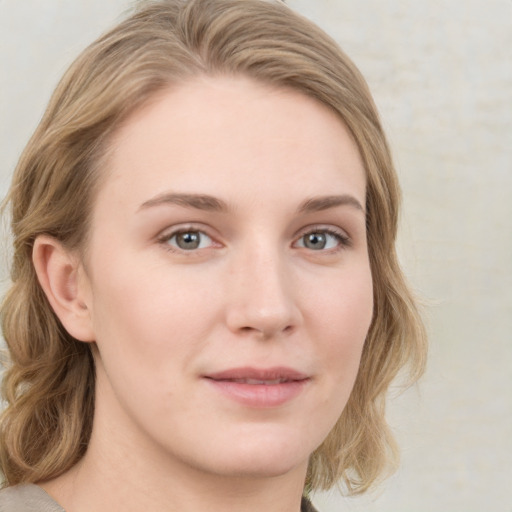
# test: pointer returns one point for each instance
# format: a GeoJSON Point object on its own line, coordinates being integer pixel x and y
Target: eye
{"type": "Point", "coordinates": [322, 240]}
{"type": "Point", "coordinates": [188, 240]}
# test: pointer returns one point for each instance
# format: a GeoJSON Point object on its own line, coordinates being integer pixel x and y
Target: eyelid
{"type": "Point", "coordinates": [344, 239]}
{"type": "Point", "coordinates": [168, 233]}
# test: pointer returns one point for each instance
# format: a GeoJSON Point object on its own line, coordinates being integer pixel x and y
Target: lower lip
{"type": "Point", "coordinates": [259, 395]}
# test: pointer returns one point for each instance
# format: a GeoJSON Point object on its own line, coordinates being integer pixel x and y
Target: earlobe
{"type": "Point", "coordinates": [60, 275]}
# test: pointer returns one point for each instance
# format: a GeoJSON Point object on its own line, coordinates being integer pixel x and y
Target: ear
{"type": "Point", "coordinates": [62, 277]}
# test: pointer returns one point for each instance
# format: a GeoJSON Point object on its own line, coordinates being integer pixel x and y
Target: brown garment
{"type": "Point", "coordinates": [306, 506]}
{"type": "Point", "coordinates": [31, 498]}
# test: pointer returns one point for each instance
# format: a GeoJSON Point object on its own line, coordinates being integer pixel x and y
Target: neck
{"type": "Point", "coordinates": [116, 477]}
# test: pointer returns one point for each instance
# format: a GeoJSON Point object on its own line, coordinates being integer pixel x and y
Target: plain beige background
{"type": "Point", "coordinates": [441, 74]}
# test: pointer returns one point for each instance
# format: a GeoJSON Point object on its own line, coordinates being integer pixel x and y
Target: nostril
{"type": "Point", "coordinates": [266, 333]}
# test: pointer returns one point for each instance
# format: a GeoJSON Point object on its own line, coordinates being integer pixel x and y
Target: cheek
{"type": "Point", "coordinates": [343, 319]}
{"type": "Point", "coordinates": [345, 305]}
{"type": "Point", "coordinates": [342, 316]}
{"type": "Point", "coordinates": [149, 313]}
{"type": "Point", "coordinates": [146, 337]}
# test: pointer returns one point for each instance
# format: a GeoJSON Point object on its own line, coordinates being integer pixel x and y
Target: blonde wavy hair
{"type": "Point", "coordinates": [49, 383]}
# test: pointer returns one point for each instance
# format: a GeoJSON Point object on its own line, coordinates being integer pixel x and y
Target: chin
{"type": "Point", "coordinates": [263, 467]}
{"type": "Point", "coordinates": [263, 456]}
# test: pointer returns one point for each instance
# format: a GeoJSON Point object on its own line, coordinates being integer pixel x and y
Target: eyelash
{"type": "Point", "coordinates": [167, 237]}
{"type": "Point", "coordinates": [343, 240]}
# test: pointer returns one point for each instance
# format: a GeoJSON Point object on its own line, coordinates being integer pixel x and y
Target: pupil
{"type": "Point", "coordinates": [315, 241]}
{"type": "Point", "coordinates": [188, 240]}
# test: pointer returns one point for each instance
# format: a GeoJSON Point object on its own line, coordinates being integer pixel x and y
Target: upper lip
{"type": "Point", "coordinates": [277, 373]}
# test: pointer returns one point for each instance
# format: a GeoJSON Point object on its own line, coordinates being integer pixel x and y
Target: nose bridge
{"type": "Point", "coordinates": [261, 293]}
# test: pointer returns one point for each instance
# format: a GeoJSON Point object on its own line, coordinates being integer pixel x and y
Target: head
{"type": "Point", "coordinates": [50, 385]}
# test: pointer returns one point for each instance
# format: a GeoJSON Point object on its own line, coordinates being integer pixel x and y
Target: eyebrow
{"type": "Point", "coordinates": [317, 204]}
{"type": "Point", "coordinates": [213, 204]}
{"type": "Point", "coordinates": [196, 201]}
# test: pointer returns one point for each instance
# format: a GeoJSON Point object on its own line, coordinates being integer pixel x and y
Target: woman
{"type": "Point", "coordinates": [206, 309]}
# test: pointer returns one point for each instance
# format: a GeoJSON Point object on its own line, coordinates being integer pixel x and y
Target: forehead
{"type": "Point", "coordinates": [227, 135]}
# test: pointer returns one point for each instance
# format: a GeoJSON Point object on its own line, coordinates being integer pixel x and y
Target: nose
{"type": "Point", "coordinates": [262, 299]}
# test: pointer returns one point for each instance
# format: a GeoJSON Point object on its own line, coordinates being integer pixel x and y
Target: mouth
{"type": "Point", "coordinates": [258, 381]}
{"type": "Point", "coordinates": [259, 388]}
{"type": "Point", "coordinates": [249, 375]}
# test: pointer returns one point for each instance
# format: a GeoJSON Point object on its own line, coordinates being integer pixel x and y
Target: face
{"type": "Point", "coordinates": [227, 278]}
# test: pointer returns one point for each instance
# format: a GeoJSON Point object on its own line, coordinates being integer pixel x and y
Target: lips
{"type": "Point", "coordinates": [259, 381]}
{"type": "Point", "coordinates": [259, 388]}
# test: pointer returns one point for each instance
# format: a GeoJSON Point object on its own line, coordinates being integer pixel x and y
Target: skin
{"type": "Point", "coordinates": [261, 290]}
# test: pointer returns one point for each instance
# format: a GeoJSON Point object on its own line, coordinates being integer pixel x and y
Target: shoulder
{"type": "Point", "coordinates": [27, 498]}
